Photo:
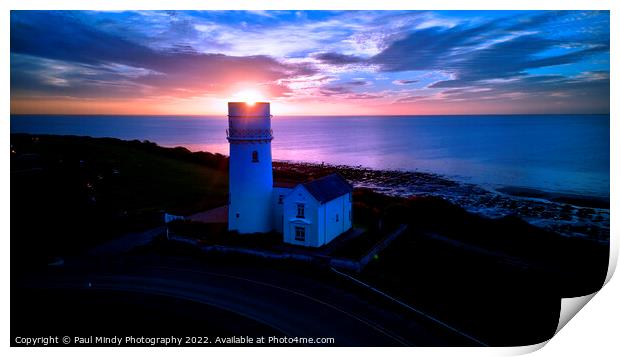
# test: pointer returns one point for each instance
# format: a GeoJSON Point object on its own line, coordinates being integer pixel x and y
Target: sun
{"type": "Point", "coordinates": [249, 96]}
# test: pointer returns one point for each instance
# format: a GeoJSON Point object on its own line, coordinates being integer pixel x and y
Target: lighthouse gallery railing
{"type": "Point", "coordinates": [249, 134]}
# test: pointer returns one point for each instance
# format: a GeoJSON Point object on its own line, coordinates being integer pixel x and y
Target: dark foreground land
{"type": "Point", "coordinates": [493, 281]}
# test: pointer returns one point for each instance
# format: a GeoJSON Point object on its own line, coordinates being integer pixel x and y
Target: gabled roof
{"type": "Point", "coordinates": [328, 187]}
{"type": "Point", "coordinates": [285, 183]}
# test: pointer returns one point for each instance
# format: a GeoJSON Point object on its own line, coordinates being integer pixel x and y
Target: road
{"type": "Point", "coordinates": [279, 301]}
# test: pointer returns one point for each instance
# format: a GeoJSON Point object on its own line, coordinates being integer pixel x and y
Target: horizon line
{"type": "Point", "coordinates": [302, 115]}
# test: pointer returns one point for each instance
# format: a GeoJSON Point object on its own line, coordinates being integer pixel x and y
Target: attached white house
{"type": "Point", "coordinates": [313, 213]}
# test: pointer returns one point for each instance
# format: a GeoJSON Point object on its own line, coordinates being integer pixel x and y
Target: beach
{"type": "Point", "coordinates": [566, 214]}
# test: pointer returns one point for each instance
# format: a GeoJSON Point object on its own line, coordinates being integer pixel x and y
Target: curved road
{"type": "Point", "coordinates": [296, 305]}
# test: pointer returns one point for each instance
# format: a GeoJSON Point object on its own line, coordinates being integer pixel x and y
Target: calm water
{"type": "Point", "coordinates": [559, 153]}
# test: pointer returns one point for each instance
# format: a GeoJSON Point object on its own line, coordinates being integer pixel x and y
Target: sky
{"type": "Point", "coordinates": [310, 62]}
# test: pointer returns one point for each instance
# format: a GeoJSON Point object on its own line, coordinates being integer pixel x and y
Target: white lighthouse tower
{"type": "Point", "coordinates": [251, 178]}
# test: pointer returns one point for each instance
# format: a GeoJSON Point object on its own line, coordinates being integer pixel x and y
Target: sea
{"type": "Point", "coordinates": [556, 153]}
{"type": "Point", "coordinates": [552, 154]}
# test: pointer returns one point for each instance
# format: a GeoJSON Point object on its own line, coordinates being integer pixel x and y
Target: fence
{"type": "Point", "coordinates": [343, 263]}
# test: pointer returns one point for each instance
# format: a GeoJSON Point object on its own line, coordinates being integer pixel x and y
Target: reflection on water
{"type": "Point", "coordinates": [564, 153]}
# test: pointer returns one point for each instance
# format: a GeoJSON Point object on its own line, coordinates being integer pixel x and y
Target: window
{"type": "Point", "coordinates": [254, 156]}
{"type": "Point", "coordinates": [337, 218]}
{"type": "Point", "coordinates": [300, 233]}
{"type": "Point", "coordinates": [280, 199]}
{"type": "Point", "coordinates": [301, 210]}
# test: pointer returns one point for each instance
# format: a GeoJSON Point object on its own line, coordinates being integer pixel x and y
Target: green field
{"type": "Point", "coordinates": [68, 193]}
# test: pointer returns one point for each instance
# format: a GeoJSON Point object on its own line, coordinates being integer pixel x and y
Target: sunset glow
{"type": "Point", "coordinates": [248, 96]}
{"type": "Point", "coordinates": [337, 63]}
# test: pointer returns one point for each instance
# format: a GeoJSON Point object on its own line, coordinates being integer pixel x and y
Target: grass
{"type": "Point", "coordinates": [218, 234]}
{"type": "Point", "coordinates": [358, 247]}
{"type": "Point", "coordinates": [497, 279]}
{"type": "Point", "coordinates": [379, 215]}
{"type": "Point", "coordinates": [69, 193]}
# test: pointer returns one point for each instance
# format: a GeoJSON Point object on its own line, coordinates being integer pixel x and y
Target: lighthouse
{"type": "Point", "coordinates": [251, 177]}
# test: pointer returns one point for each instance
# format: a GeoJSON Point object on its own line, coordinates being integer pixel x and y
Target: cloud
{"type": "Point", "coordinates": [350, 88]}
{"type": "Point", "coordinates": [358, 82]}
{"type": "Point", "coordinates": [528, 22]}
{"type": "Point", "coordinates": [364, 96]}
{"type": "Point", "coordinates": [491, 62]}
{"type": "Point", "coordinates": [334, 90]}
{"type": "Point", "coordinates": [347, 92]}
{"type": "Point", "coordinates": [512, 58]}
{"type": "Point", "coordinates": [486, 51]}
{"type": "Point", "coordinates": [403, 82]}
{"type": "Point", "coordinates": [64, 39]}
{"type": "Point", "coordinates": [431, 48]}
{"type": "Point", "coordinates": [337, 59]}
{"type": "Point", "coordinates": [34, 75]}
{"type": "Point", "coordinates": [476, 57]}
{"type": "Point", "coordinates": [411, 98]}
{"type": "Point", "coordinates": [590, 90]}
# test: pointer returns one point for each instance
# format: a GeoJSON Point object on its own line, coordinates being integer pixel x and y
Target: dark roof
{"type": "Point", "coordinates": [328, 187]}
{"type": "Point", "coordinates": [285, 183]}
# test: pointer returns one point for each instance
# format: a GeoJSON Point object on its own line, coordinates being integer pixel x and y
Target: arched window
{"type": "Point", "coordinates": [254, 156]}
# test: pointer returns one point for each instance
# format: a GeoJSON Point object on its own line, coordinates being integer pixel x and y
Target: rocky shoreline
{"type": "Point", "coordinates": [569, 215]}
